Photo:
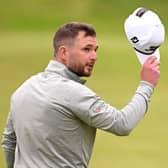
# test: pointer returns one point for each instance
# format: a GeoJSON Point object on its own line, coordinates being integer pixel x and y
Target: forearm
{"type": "Point", "coordinates": [10, 158]}
{"type": "Point", "coordinates": [9, 145]}
{"type": "Point", "coordinates": [121, 122]}
{"type": "Point", "coordinates": [132, 113]}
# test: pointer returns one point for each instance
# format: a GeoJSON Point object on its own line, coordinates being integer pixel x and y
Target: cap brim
{"type": "Point", "coordinates": [142, 57]}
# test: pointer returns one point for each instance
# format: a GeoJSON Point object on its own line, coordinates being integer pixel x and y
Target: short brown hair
{"type": "Point", "coordinates": [67, 33]}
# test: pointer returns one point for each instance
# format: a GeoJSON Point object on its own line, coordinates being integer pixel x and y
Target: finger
{"type": "Point", "coordinates": [156, 68]}
{"type": "Point", "coordinates": [155, 63]}
{"type": "Point", "coordinates": [151, 59]}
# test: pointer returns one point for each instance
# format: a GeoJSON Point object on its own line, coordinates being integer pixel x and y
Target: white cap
{"type": "Point", "coordinates": [145, 32]}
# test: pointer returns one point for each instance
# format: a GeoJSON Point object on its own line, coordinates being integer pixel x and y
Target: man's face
{"type": "Point", "coordinates": [82, 54]}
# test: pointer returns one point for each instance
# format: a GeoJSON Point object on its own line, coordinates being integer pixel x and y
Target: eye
{"type": "Point", "coordinates": [96, 49]}
{"type": "Point", "coordinates": [86, 49]}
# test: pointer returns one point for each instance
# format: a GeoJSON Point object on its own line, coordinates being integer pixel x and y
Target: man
{"type": "Point", "coordinates": [53, 116]}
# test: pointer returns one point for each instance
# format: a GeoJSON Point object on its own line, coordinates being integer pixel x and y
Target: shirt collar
{"type": "Point", "coordinates": [59, 68]}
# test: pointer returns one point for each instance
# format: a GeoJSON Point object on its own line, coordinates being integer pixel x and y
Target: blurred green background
{"type": "Point", "coordinates": [26, 32]}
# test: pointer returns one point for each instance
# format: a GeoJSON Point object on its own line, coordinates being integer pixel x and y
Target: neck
{"type": "Point", "coordinates": [57, 58]}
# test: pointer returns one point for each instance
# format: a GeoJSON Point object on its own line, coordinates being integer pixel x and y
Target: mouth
{"type": "Point", "coordinates": [90, 66]}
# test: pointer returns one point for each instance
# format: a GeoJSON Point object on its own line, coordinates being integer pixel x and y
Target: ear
{"type": "Point", "coordinates": [63, 54]}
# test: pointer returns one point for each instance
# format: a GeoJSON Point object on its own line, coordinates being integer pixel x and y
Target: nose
{"type": "Point", "coordinates": [93, 56]}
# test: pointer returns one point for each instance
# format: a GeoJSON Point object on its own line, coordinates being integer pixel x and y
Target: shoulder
{"type": "Point", "coordinates": [79, 97]}
{"type": "Point", "coordinates": [78, 89]}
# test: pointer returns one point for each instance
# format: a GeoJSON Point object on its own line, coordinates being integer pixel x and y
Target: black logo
{"type": "Point", "coordinates": [141, 12]}
{"type": "Point", "coordinates": [152, 48]}
{"type": "Point", "coordinates": [148, 51]}
{"type": "Point", "coordinates": [134, 39]}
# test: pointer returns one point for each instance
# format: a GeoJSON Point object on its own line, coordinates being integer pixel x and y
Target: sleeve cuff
{"type": "Point", "coordinates": [145, 89]}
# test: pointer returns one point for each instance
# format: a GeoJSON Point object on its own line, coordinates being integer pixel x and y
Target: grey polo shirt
{"type": "Point", "coordinates": [53, 119]}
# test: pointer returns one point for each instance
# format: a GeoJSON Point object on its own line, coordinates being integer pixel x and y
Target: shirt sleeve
{"type": "Point", "coordinates": [9, 142]}
{"type": "Point", "coordinates": [97, 113]}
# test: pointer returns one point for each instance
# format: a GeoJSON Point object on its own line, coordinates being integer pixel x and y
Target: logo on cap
{"type": "Point", "coordinates": [149, 50]}
{"type": "Point", "coordinates": [141, 12]}
{"type": "Point", "coordinates": [134, 39]}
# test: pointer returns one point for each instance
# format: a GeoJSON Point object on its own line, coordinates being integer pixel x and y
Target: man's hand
{"type": "Point", "coordinates": [151, 70]}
